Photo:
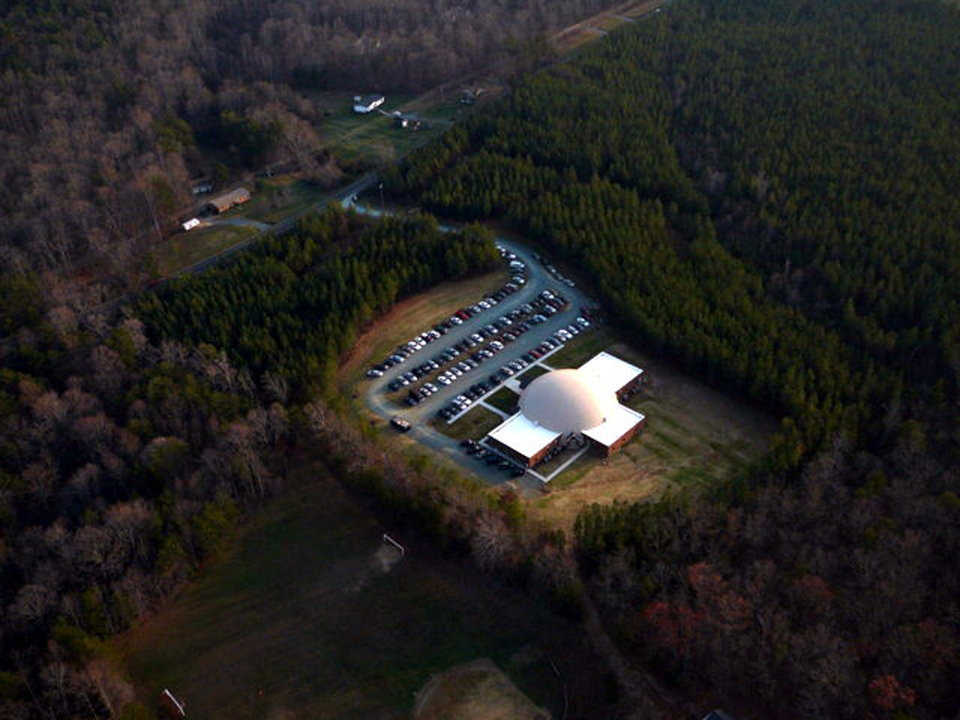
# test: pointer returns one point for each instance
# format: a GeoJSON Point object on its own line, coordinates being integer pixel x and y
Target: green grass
{"type": "Point", "coordinates": [302, 622]}
{"type": "Point", "coordinates": [581, 348]}
{"type": "Point", "coordinates": [275, 199]}
{"type": "Point", "coordinates": [185, 249]}
{"type": "Point", "coordinates": [372, 138]}
{"type": "Point", "coordinates": [504, 399]}
{"type": "Point", "coordinates": [577, 470]}
{"type": "Point", "coordinates": [532, 374]}
{"type": "Point", "coordinates": [474, 425]}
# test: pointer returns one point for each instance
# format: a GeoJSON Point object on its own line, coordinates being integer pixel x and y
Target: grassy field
{"type": "Point", "coordinates": [504, 399]}
{"type": "Point", "coordinates": [187, 248]}
{"type": "Point", "coordinates": [582, 348]}
{"type": "Point", "coordinates": [694, 436]}
{"type": "Point", "coordinates": [312, 616]}
{"type": "Point", "coordinates": [474, 425]}
{"type": "Point", "coordinates": [372, 137]}
{"type": "Point", "coordinates": [281, 196]}
{"type": "Point", "coordinates": [474, 691]}
{"type": "Point", "coordinates": [609, 23]}
{"type": "Point", "coordinates": [579, 34]}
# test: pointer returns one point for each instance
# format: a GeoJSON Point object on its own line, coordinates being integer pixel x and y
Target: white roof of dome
{"type": "Point", "coordinates": [567, 401]}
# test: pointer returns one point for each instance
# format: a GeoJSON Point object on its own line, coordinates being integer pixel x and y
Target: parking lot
{"type": "Point", "coordinates": [448, 367]}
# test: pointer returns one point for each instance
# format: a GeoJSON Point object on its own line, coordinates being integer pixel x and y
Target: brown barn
{"type": "Point", "coordinates": [222, 203]}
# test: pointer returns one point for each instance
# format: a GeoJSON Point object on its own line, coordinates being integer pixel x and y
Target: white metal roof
{"type": "Point", "coordinates": [617, 424]}
{"type": "Point", "coordinates": [567, 401]}
{"type": "Point", "coordinates": [609, 372]}
{"type": "Point", "coordinates": [523, 435]}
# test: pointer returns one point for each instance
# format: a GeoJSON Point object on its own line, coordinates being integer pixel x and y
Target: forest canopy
{"type": "Point", "coordinates": [129, 452]}
{"type": "Point", "coordinates": [111, 108]}
{"type": "Point", "coordinates": [766, 193]}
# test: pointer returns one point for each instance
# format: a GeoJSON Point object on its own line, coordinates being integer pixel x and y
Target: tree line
{"type": "Point", "coordinates": [292, 305]}
{"type": "Point", "coordinates": [764, 193]}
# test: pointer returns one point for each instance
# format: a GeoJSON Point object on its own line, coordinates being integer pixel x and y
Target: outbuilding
{"type": "Point", "coordinates": [367, 103]}
{"type": "Point", "coordinates": [222, 203]}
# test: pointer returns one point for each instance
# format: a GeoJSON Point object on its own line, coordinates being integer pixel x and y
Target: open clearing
{"type": "Point", "coordinates": [474, 691]}
{"type": "Point", "coordinates": [694, 436]}
{"type": "Point", "coordinates": [188, 248]}
{"type": "Point", "coordinates": [312, 616]}
{"type": "Point", "coordinates": [372, 138]}
{"type": "Point", "coordinates": [274, 199]}
{"type": "Point", "coordinates": [586, 31]}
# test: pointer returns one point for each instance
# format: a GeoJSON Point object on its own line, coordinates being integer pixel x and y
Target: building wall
{"type": "Point", "coordinates": [621, 441]}
{"type": "Point", "coordinates": [629, 388]}
{"type": "Point", "coordinates": [514, 455]}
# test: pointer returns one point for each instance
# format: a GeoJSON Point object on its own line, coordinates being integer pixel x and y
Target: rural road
{"type": "Point", "coordinates": [538, 279]}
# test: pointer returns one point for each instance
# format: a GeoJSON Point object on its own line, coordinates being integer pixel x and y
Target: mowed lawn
{"type": "Point", "coordinates": [304, 620]}
{"type": "Point", "coordinates": [474, 424]}
{"type": "Point", "coordinates": [372, 137]}
{"type": "Point", "coordinates": [277, 198]}
{"type": "Point", "coordinates": [695, 436]}
{"type": "Point", "coordinates": [184, 249]}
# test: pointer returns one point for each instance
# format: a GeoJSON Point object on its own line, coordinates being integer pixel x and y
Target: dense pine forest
{"type": "Point", "coordinates": [110, 108]}
{"type": "Point", "coordinates": [765, 192]}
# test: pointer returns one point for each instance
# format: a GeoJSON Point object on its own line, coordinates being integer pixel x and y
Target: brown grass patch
{"type": "Point", "coordinates": [474, 691]}
{"type": "Point", "coordinates": [695, 436]}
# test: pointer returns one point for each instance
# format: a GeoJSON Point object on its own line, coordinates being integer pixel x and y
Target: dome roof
{"type": "Point", "coordinates": [566, 401]}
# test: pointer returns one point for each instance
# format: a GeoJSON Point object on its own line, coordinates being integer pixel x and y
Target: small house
{"type": "Point", "coordinates": [367, 103]}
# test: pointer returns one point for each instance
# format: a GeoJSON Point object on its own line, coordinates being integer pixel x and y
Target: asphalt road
{"type": "Point", "coordinates": [538, 279]}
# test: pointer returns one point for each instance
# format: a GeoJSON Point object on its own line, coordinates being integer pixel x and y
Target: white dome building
{"type": "Point", "coordinates": [565, 401]}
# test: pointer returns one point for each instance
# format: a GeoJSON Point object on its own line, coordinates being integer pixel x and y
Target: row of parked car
{"type": "Point", "coordinates": [553, 271]}
{"type": "Point", "coordinates": [472, 447]}
{"type": "Point", "coordinates": [414, 345]}
{"type": "Point", "coordinates": [505, 329]}
{"type": "Point", "coordinates": [478, 390]}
